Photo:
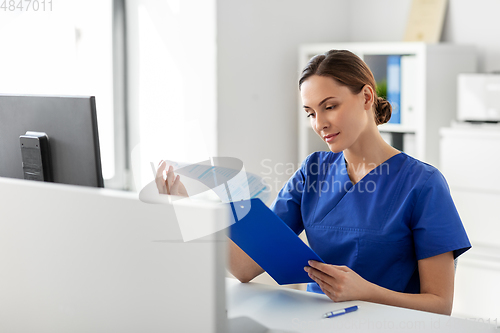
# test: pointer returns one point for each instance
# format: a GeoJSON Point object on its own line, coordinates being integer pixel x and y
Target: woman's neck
{"type": "Point", "coordinates": [368, 152]}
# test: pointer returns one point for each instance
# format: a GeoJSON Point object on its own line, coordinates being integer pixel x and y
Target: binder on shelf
{"type": "Point", "coordinates": [270, 242]}
{"type": "Point", "coordinates": [394, 87]}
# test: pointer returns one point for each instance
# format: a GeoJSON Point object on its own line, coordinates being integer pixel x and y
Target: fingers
{"type": "Point", "coordinates": [170, 179]}
{"type": "Point", "coordinates": [332, 270]}
{"type": "Point", "coordinates": [320, 279]}
{"type": "Point", "coordinates": [174, 189]}
{"type": "Point", "coordinates": [339, 283]}
{"type": "Point", "coordinates": [161, 167]}
{"type": "Point", "coordinates": [160, 182]}
{"type": "Point", "coordinates": [317, 274]}
{"type": "Point", "coordinates": [327, 289]}
{"type": "Point", "coordinates": [328, 277]}
{"type": "Point", "coordinates": [327, 286]}
{"type": "Point", "coordinates": [165, 185]}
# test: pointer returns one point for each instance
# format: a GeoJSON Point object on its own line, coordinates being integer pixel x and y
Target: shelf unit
{"type": "Point", "coordinates": [436, 67]}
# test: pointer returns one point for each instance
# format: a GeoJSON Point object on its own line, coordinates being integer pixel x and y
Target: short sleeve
{"type": "Point", "coordinates": [287, 203]}
{"type": "Point", "coordinates": [436, 224]}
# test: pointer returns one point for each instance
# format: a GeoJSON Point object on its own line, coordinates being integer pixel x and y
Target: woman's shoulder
{"type": "Point", "coordinates": [417, 165]}
{"type": "Point", "coordinates": [422, 173]}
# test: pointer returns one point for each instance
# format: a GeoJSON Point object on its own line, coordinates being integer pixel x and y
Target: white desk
{"type": "Point", "coordinates": [299, 311]}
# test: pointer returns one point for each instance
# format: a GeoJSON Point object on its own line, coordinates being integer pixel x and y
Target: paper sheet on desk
{"type": "Point", "coordinates": [226, 176]}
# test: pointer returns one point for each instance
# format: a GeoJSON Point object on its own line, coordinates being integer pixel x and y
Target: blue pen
{"type": "Point", "coordinates": [340, 312]}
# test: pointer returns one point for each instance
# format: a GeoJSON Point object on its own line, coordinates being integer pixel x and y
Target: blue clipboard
{"type": "Point", "coordinates": [270, 242]}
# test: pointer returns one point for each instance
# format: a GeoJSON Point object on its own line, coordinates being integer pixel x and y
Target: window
{"type": "Point", "coordinates": [172, 85]}
{"type": "Point", "coordinates": [62, 48]}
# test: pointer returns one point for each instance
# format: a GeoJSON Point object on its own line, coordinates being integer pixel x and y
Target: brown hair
{"type": "Point", "coordinates": [349, 70]}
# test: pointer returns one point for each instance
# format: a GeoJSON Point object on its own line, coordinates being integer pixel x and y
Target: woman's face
{"type": "Point", "coordinates": [337, 115]}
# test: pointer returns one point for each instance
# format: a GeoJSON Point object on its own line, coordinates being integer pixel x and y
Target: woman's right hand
{"type": "Point", "coordinates": [172, 184]}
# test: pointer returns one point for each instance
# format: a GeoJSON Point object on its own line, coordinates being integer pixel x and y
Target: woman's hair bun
{"type": "Point", "coordinates": [383, 111]}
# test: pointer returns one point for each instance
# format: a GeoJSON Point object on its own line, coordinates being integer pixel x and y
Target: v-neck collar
{"type": "Point", "coordinates": [342, 187]}
{"type": "Point", "coordinates": [374, 170]}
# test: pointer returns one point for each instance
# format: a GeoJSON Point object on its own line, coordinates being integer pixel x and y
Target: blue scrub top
{"type": "Point", "coordinates": [400, 212]}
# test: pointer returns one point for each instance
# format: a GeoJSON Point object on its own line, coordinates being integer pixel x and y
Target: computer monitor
{"type": "Point", "coordinates": [78, 259]}
{"type": "Point", "coordinates": [69, 122]}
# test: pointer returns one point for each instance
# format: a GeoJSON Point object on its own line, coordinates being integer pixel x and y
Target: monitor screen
{"type": "Point", "coordinates": [66, 128]}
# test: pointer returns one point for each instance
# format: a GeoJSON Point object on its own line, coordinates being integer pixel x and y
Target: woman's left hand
{"type": "Point", "coordinates": [340, 283]}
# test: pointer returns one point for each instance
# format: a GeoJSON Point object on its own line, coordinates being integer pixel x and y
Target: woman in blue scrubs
{"type": "Point", "coordinates": [383, 221]}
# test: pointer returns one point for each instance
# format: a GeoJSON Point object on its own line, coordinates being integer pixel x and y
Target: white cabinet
{"type": "Point", "coordinates": [429, 86]}
{"type": "Point", "coordinates": [470, 156]}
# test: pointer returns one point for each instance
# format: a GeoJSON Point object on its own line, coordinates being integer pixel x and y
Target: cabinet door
{"type": "Point", "coordinates": [469, 161]}
{"type": "Point", "coordinates": [470, 157]}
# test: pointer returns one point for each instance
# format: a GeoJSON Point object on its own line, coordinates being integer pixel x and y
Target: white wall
{"type": "Point", "coordinates": [378, 21]}
{"type": "Point", "coordinates": [466, 22]}
{"type": "Point", "coordinates": [476, 22]}
{"type": "Point", "coordinates": [258, 71]}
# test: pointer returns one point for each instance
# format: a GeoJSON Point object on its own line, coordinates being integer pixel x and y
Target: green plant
{"type": "Point", "coordinates": [382, 88]}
